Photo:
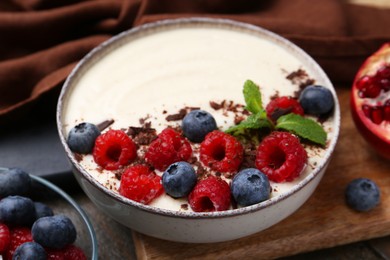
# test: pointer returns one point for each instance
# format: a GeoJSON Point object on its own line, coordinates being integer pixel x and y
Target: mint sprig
{"type": "Point", "coordinates": [305, 128]}
{"type": "Point", "coordinates": [251, 127]}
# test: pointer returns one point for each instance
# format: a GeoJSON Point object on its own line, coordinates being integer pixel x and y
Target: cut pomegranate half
{"type": "Point", "coordinates": [370, 100]}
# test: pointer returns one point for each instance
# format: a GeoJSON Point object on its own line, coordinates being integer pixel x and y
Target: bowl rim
{"type": "Point", "coordinates": [141, 30]}
{"type": "Point", "coordinates": [77, 207]}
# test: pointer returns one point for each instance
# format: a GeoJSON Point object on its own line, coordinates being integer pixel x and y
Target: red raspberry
{"type": "Point", "coordinates": [141, 184]}
{"type": "Point", "coordinates": [169, 147]}
{"type": "Point", "coordinates": [221, 152]}
{"type": "Point", "coordinates": [210, 194]}
{"type": "Point", "coordinates": [114, 149]}
{"type": "Point", "coordinates": [282, 106]}
{"type": "Point", "coordinates": [281, 156]}
{"type": "Point", "coordinates": [5, 237]}
{"type": "Point", "coordinates": [69, 252]}
{"type": "Point", "coordinates": [19, 235]}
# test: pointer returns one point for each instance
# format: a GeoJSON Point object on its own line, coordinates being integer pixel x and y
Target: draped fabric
{"type": "Point", "coordinates": [42, 40]}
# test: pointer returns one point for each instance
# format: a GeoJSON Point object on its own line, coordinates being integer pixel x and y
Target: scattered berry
{"type": "Point", "coordinates": [30, 250]}
{"type": "Point", "coordinates": [5, 237]}
{"type": "Point", "coordinates": [114, 149]}
{"type": "Point", "coordinates": [70, 252]}
{"type": "Point", "coordinates": [316, 100]}
{"type": "Point", "coordinates": [17, 210]}
{"type": "Point", "coordinates": [282, 106]}
{"type": "Point", "coordinates": [210, 194]}
{"type": "Point", "coordinates": [221, 152]}
{"type": "Point", "coordinates": [13, 181]}
{"type": "Point", "coordinates": [140, 184]}
{"type": "Point", "coordinates": [42, 210]}
{"type": "Point", "coordinates": [197, 124]}
{"type": "Point", "coordinates": [281, 157]}
{"type": "Point", "coordinates": [19, 235]}
{"type": "Point", "coordinates": [179, 179]}
{"type": "Point", "coordinates": [250, 186]}
{"type": "Point", "coordinates": [54, 231]}
{"type": "Point", "coordinates": [81, 138]}
{"type": "Point", "coordinates": [362, 194]}
{"type": "Point", "coordinates": [169, 147]}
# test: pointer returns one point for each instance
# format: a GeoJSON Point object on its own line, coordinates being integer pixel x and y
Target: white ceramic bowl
{"type": "Point", "coordinates": [174, 225]}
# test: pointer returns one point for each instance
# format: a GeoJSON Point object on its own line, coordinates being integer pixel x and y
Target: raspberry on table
{"type": "Point", "coordinates": [221, 152]}
{"type": "Point", "coordinates": [210, 194]}
{"type": "Point", "coordinates": [114, 149]}
{"type": "Point", "coordinates": [283, 105]}
{"type": "Point", "coordinates": [281, 156]}
{"type": "Point", "coordinates": [140, 184]}
{"type": "Point", "coordinates": [5, 237]}
{"type": "Point", "coordinates": [169, 147]}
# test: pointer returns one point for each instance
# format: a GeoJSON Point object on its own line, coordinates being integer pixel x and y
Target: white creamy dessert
{"type": "Point", "coordinates": [162, 72]}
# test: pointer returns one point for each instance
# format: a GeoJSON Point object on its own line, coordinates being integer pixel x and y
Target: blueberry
{"type": "Point", "coordinates": [179, 179]}
{"type": "Point", "coordinates": [197, 124]}
{"type": "Point", "coordinates": [316, 100]}
{"type": "Point", "coordinates": [29, 250]}
{"type": "Point", "coordinates": [42, 210]}
{"type": "Point", "coordinates": [362, 194]}
{"type": "Point", "coordinates": [54, 231]}
{"type": "Point", "coordinates": [81, 138]}
{"type": "Point", "coordinates": [17, 210]}
{"type": "Point", "coordinates": [13, 181]}
{"type": "Point", "coordinates": [250, 186]}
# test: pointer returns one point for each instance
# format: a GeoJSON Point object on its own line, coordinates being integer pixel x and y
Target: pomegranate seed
{"type": "Point", "coordinates": [367, 110]}
{"type": "Point", "coordinates": [377, 115]}
{"type": "Point", "coordinates": [383, 72]}
{"type": "Point", "coordinates": [364, 81]}
{"type": "Point", "coordinates": [386, 110]}
{"type": "Point", "coordinates": [385, 84]}
{"type": "Point", "coordinates": [368, 87]}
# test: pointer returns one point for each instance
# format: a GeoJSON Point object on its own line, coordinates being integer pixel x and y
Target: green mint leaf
{"type": "Point", "coordinates": [252, 97]}
{"type": "Point", "coordinates": [303, 127]}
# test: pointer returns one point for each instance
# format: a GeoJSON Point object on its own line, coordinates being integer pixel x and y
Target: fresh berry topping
{"type": "Point", "coordinates": [250, 186]}
{"type": "Point", "coordinates": [221, 152]}
{"type": "Point", "coordinates": [54, 231]}
{"type": "Point", "coordinates": [179, 179]}
{"type": "Point", "coordinates": [81, 138]}
{"type": "Point", "coordinates": [70, 252]}
{"type": "Point", "coordinates": [42, 210]}
{"type": "Point", "coordinates": [13, 181]}
{"type": "Point", "coordinates": [316, 100]}
{"type": "Point", "coordinates": [210, 194]}
{"type": "Point", "coordinates": [17, 210]}
{"type": "Point", "coordinates": [281, 106]}
{"type": "Point", "coordinates": [169, 147]}
{"type": "Point", "coordinates": [30, 250]}
{"type": "Point", "coordinates": [140, 184]}
{"type": "Point", "coordinates": [362, 194]}
{"type": "Point", "coordinates": [197, 124]}
{"type": "Point", "coordinates": [19, 235]}
{"type": "Point", "coordinates": [281, 156]}
{"type": "Point", "coordinates": [114, 149]}
{"type": "Point", "coordinates": [5, 237]}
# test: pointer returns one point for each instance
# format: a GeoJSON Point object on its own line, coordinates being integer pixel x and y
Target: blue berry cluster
{"type": "Point", "coordinates": [16, 209]}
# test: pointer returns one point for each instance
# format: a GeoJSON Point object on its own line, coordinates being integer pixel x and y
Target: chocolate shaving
{"type": "Point", "coordinates": [176, 117]}
{"type": "Point", "coordinates": [142, 135]}
{"type": "Point", "coordinates": [103, 125]}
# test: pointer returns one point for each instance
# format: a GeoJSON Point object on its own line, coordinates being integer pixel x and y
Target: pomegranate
{"type": "Point", "coordinates": [370, 100]}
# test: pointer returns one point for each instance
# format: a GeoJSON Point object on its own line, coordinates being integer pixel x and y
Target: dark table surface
{"type": "Point", "coordinates": [36, 148]}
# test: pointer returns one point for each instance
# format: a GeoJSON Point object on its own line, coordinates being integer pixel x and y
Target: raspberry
{"type": "Point", "coordinates": [114, 149]}
{"type": "Point", "coordinates": [281, 156]}
{"type": "Point", "coordinates": [141, 184]}
{"type": "Point", "coordinates": [5, 237]}
{"type": "Point", "coordinates": [19, 235]}
{"type": "Point", "coordinates": [221, 152]}
{"type": "Point", "coordinates": [169, 147]}
{"type": "Point", "coordinates": [69, 252]}
{"type": "Point", "coordinates": [210, 194]}
{"type": "Point", "coordinates": [281, 106]}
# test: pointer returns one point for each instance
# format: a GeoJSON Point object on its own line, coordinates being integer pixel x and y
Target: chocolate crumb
{"type": "Point", "coordinates": [184, 206]}
{"type": "Point", "coordinates": [103, 125]}
{"type": "Point", "coordinates": [78, 157]}
{"type": "Point", "coordinates": [176, 117]}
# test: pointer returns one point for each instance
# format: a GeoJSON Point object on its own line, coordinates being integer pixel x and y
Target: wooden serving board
{"type": "Point", "coordinates": [324, 221]}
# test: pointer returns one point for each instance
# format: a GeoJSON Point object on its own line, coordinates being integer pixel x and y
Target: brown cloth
{"type": "Point", "coordinates": [42, 40]}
